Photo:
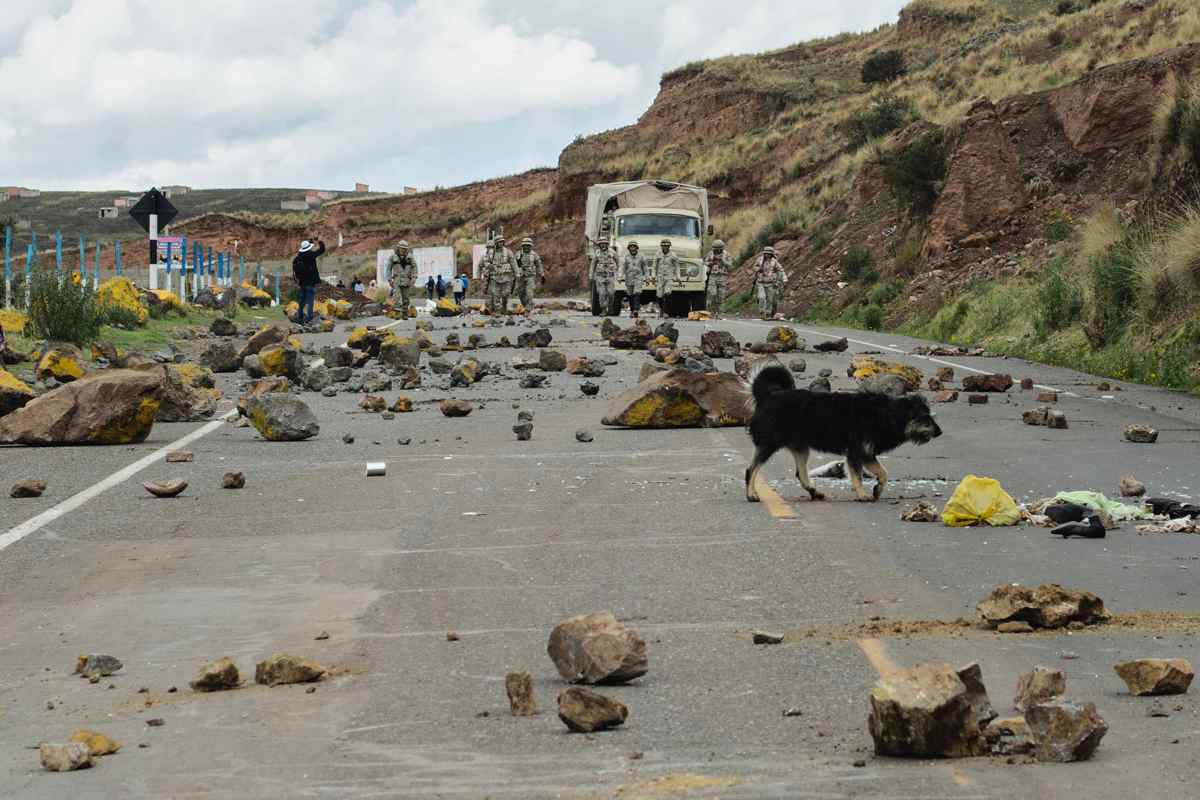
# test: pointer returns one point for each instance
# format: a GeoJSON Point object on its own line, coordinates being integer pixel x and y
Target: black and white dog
{"type": "Point", "coordinates": [858, 425]}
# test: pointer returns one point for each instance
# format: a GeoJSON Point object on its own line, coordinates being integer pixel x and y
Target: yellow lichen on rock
{"type": "Point", "coordinates": [170, 301]}
{"type": "Point", "coordinates": [358, 338]}
{"type": "Point", "coordinates": [276, 361]}
{"type": "Point", "coordinates": [60, 366]}
{"type": "Point", "coordinates": [863, 367]}
{"type": "Point", "coordinates": [120, 293]}
{"type": "Point", "coordinates": [322, 308]}
{"type": "Point", "coordinates": [12, 321]}
{"type": "Point", "coordinates": [131, 429]}
{"type": "Point", "coordinates": [255, 292]}
{"type": "Point", "coordinates": [447, 308]}
{"type": "Point", "coordinates": [97, 743]}
{"type": "Point", "coordinates": [341, 309]}
{"type": "Point", "coordinates": [14, 393]}
{"type": "Point", "coordinates": [291, 309]}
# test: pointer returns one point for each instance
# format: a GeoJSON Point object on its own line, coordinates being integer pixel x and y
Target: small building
{"type": "Point", "coordinates": [175, 189]}
{"type": "Point", "coordinates": [312, 197]}
{"type": "Point", "coordinates": [108, 212]}
{"type": "Point", "coordinates": [29, 194]}
{"type": "Point", "coordinates": [24, 224]}
{"type": "Point", "coordinates": [293, 205]}
{"type": "Point", "coordinates": [361, 188]}
{"type": "Point", "coordinates": [411, 190]}
{"type": "Point", "coordinates": [12, 192]}
{"type": "Point", "coordinates": [122, 202]}
{"type": "Point", "coordinates": [327, 195]}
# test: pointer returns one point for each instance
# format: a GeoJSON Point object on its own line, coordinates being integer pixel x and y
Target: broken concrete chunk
{"type": "Point", "coordinates": [216, 676]}
{"type": "Point", "coordinates": [99, 664]}
{"type": "Point", "coordinates": [924, 712]}
{"type": "Point", "coordinates": [1040, 686]}
{"type": "Point", "coordinates": [97, 743]}
{"type": "Point", "coordinates": [945, 396]}
{"type": "Point", "coordinates": [172, 489]}
{"type": "Point", "coordinates": [233, 480]}
{"type": "Point", "coordinates": [65, 757]}
{"type": "Point", "coordinates": [720, 344]}
{"type": "Point", "coordinates": [282, 669]}
{"type": "Point", "coordinates": [1065, 731]}
{"type": "Point", "coordinates": [519, 687]}
{"type": "Point", "coordinates": [972, 677]}
{"type": "Point", "coordinates": [1141, 434]}
{"type": "Point", "coordinates": [1156, 676]}
{"type": "Point", "coordinates": [596, 648]}
{"type": "Point", "coordinates": [585, 711]}
{"type": "Point", "coordinates": [987, 383]}
{"type": "Point", "coordinates": [977, 399]}
{"type": "Point", "coordinates": [180, 456]}
{"type": "Point", "coordinates": [1130, 486]}
{"type": "Point", "coordinates": [1046, 606]}
{"type": "Point", "coordinates": [28, 488]}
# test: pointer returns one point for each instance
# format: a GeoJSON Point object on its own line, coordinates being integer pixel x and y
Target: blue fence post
{"type": "Point", "coordinates": [8, 265]}
{"type": "Point", "coordinates": [276, 287]}
{"type": "Point", "coordinates": [196, 247]}
{"type": "Point", "coordinates": [58, 252]}
{"type": "Point", "coordinates": [209, 269]}
{"type": "Point", "coordinates": [170, 247]}
{"type": "Point", "coordinates": [29, 255]}
{"type": "Point", "coordinates": [33, 244]}
{"type": "Point", "coordinates": [241, 270]}
{"type": "Point", "coordinates": [117, 257]}
{"type": "Point", "coordinates": [96, 280]}
{"type": "Point", "coordinates": [82, 258]}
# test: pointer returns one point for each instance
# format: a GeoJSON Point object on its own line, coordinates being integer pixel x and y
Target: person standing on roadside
{"type": "Point", "coordinates": [719, 266]}
{"type": "Point", "coordinates": [769, 279]}
{"type": "Point", "coordinates": [304, 269]}
{"type": "Point", "coordinates": [402, 273]}
{"type": "Point", "coordinates": [633, 270]}
{"type": "Point", "coordinates": [441, 287]}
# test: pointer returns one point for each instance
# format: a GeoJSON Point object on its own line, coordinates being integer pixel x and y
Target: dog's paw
{"type": "Point", "coordinates": [816, 496]}
{"type": "Point", "coordinates": [752, 500]}
{"type": "Point", "coordinates": [877, 492]}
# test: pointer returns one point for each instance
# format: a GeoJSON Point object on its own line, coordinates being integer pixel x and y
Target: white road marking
{"type": "Point", "coordinates": [18, 533]}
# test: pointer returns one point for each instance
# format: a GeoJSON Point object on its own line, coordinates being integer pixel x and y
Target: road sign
{"type": "Point", "coordinates": [153, 202]}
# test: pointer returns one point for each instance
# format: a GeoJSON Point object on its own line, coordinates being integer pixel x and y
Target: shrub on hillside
{"type": "Point", "coordinates": [1114, 280]}
{"type": "Point", "coordinates": [61, 310]}
{"type": "Point", "coordinates": [915, 173]}
{"type": "Point", "coordinates": [1181, 128]}
{"type": "Point", "coordinates": [857, 262]}
{"type": "Point", "coordinates": [886, 113]}
{"type": "Point", "coordinates": [872, 317]}
{"type": "Point", "coordinates": [1059, 300]}
{"type": "Point", "coordinates": [883, 67]}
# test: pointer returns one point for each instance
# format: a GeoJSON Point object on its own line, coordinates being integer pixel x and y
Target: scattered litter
{"type": "Point", "coordinates": [180, 456]}
{"type": "Point", "coordinates": [376, 469]}
{"type": "Point", "coordinates": [980, 501]}
{"type": "Point", "coordinates": [792, 712]}
{"type": "Point", "coordinates": [1181, 525]}
{"type": "Point", "coordinates": [921, 512]}
{"type": "Point", "coordinates": [322, 636]}
{"type": "Point", "coordinates": [766, 637]}
{"type": "Point", "coordinates": [1116, 510]}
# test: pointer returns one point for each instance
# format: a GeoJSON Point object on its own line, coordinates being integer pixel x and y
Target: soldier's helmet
{"type": "Point", "coordinates": [527, 241]}
{"type": "Point", "coordinates": [665, 243]}
{"type": "Point", "coordinates": [603, 240]}
{"type": "Point", "coordinates": [499, 240]}
{"type": "Point", "coordinates": [718, 245]}
{"type": "Point", "coordinates": [768, 251]}
{"type": "Point", "coordinates": [633, 245]}
{"type": "Point", "coordinates": [401, 245]}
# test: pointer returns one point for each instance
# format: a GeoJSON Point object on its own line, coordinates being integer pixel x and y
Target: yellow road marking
{"type": "Point", "coordinates": [775, 504]}
{"type": "Point", "coordinates": [874, 650]}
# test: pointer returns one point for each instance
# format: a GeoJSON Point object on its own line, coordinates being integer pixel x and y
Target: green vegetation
{"type": "Point", "coordinates": [857, 262]}
{"type": "Point", "coordinates": [915, 173]}
{"type": "Point", "coordinates": [60, 310]}
{"type": "Point", "coordinates": [886, 113]}
{"type": "Point", "coordinates": [883, 67]}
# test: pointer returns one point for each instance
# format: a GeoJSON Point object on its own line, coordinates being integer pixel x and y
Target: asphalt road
{"type": "Point", "coordinates": [497, 540]}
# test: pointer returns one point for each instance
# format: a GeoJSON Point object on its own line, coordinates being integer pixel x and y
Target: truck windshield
{"type": "Point", "coordinates": [658, 225]}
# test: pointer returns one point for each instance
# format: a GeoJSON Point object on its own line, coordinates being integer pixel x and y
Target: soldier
{"type": "Point", "coordinates": [769, 279]}
{"type": "Point", "coordinates": [402, 273]}
{"type": "Point", "coordinates": [633, 270]}
{"type": "Point", "coordinates": [669, 271]}
{"type": "Point", "coordinates": [719, 267]}
{"type": "Point", "coordinates": [531, 273]}
{"type": "Point", "coordinates": [502, 271]}
{"type": "Point", "coordinates": [604, 272]}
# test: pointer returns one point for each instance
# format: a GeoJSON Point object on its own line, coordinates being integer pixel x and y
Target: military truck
{"type": "Point", "coordinates": [647, 212]}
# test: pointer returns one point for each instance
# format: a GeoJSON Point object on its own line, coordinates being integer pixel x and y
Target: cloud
{"type": "Point", "coordinates": [126, 93]}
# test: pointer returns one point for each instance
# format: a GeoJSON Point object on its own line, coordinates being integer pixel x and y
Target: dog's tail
{"type": "Point", "coordinates": [766, 378]}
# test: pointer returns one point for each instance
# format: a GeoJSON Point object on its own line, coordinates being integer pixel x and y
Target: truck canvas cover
{"type": "Point", "coordinates": [643, 194]}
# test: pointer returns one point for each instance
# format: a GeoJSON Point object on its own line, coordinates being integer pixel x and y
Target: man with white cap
{"type": "Point", "coordinates": [304, 268]}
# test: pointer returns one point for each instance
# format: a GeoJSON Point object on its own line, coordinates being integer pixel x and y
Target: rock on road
{"type": "Point", "coordinates": [498, 540]}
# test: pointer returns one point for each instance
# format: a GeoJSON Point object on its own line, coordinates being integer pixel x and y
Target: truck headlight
{"type": "Point", "coordinates": [693, 271]}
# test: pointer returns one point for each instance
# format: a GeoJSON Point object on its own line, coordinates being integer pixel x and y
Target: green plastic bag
{"type": "Point", "coordinates": [978, 501]}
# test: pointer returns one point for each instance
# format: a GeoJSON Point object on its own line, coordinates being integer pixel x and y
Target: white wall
{"type": "Point", "coordinates": [430, 261]}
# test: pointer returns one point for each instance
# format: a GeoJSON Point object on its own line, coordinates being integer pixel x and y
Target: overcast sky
{"type": "Point", "coordinates": [102, 94]}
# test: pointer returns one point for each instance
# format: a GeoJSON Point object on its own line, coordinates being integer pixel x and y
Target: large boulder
{"type": "Point", "coordinates": [597, 648]}
{"type": "Point", "coordinates": [14, 393]}
{"type": "Point", "coordinates": [719, 344]}
{"type": "Point", "coordinates": [281, 669]}
{"type": "Point", "coordinates": [189, 392]}
{"type": "Point", "coordinates": [1065, 731]}
{"type": "Point", "coordinates": [275, 361]}
{"type": "Point", "coordinates": [1041, 685]}
{"type": "Point", "coordinates": [1046, 606]}
{"type": "Point", "coordinates": [552, 361]}
{"type": "Point", "coordinates": [281, 418]}
{"type": "Point", "coordinates": [780, 339]}
{"type": "Point", "coordinates": [972, 677]}
{"type": "Point", "coordinates": [266, 335]}
{"type": "Point", "coordinates": [987, 383]}
{"type": "Point", "coordinates": [585, 711]}
{"type": "Point", "coordinates": [316, 377]}
{"type": "Point", "coordinates": [223, 326]}
{"type": "Point", "coordinates": [260, 387]}
{"type": "Point", "coordinates": [107, 407]}
{"type": "Point", "coordinates": [1150, 676]}
{"type": "Point", "coordinates": [680, 399]}
{"type": "Point", "coordinates": [253, 297]}
{"type": "Point", "coordinates": [863, 368]}
{"type": "Point", "coordinates": [221, 357]}
{"type": "Point", "coordinates": [924, 712]}
{"type": "Point", "coordinates": [120, 294]}
{"type": "Point", "coordinates": [398, 352]}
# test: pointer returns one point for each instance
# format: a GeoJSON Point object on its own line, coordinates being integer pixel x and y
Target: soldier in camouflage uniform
{"type": "Point", "coordinates": [719, 266]}
{"type": "Point", "coordinates": [531, 273]}
{"type": "Point", "coordinates": [604, 272]}
{"type": "Point", "coordinates": [668, 273]}
{"type": "Point", "coordinates": [402, 273]}
{"type": "Point", "coordinates": [633, 270]}
{"type": "Point", "coordinates": [500, 274]}
{"type": "Point", "coordinates": [769, 279]}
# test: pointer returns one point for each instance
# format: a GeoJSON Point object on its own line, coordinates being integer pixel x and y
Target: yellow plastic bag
{"type": "Point", "coordinates": [980, 500]}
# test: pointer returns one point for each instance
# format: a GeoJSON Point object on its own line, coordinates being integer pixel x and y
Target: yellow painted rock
{"type": "Point", "coordinates": [14, 393]}
{"type": "Point", "coordinates": [12, 321]}
{"type": "Point", "coordinates": [97, 743]}
{"type": "Point", "coordinates": [863, 367]}
{"type": "Point", "coordinates": [291, 309]}
{"type": "Point", "coordinates": [327, 326]}
{"type": "Point", "coordinates": [120, 293]}
{"type": "Point", "coordinates": [59, 365]}
{"type": "Point", "coordinates": [342, 309]}
{"type": "Point", "coordinates": [447, 308]}
{"type": "Point", "coordinates": [279, 360]}
{"type": "Point", "coordinates": [112, 406]}
{"type": "Point", "coordinates": [403, 405]}
{"type": "Point", "coordinates": [253, 292]}
{"type": "Point", "coordinates": [170, 301]}
{"type": "Point", "coordinates": [698, 316]}
{"type": "Point", "coordinates": [680, 399]}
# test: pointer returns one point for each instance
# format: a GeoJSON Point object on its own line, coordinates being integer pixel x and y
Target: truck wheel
{"type": "Point", "coordinates": [700, 301]}
{"type": "Point", "coordinates": [595, 301]}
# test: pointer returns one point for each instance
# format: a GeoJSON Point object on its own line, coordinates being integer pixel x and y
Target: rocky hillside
{"type": "Point", "coordinates": [919, 156]}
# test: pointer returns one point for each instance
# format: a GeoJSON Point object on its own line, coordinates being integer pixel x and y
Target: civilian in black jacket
{"type": "Point", "coordinates": [304, 268]}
